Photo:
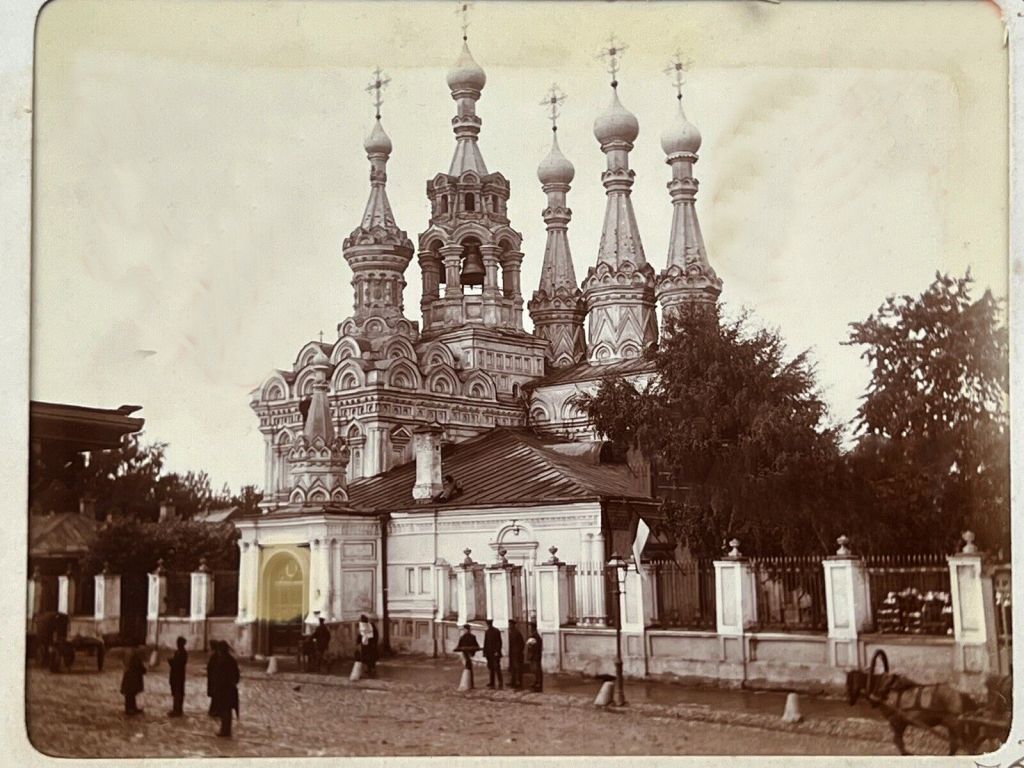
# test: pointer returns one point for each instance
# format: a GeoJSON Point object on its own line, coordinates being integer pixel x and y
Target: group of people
{"type": "Point", "coordinates": [318, 645]}
{"type": "Point", "coordinates": [222, 676]}
{"type": "Point", "coordinates": [522, 652]}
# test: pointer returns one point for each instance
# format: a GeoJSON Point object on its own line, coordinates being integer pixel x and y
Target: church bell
{"type": "Point", "coordinates": [473, 268]}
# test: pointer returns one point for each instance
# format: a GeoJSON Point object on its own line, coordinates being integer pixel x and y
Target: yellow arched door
{"type": "Point", "coordinates": [285, 590]}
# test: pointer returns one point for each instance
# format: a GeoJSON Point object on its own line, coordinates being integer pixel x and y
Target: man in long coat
{"type": "Point", "coordinates": [131, 680]}
{"type": "Point", "coordinates": [534, 654]}
{"type": "Point", "coordinates": [223, 686]}
{"type": "Point", "coordinates": [516, 647]}
{"type": "Point", "coordinates": [177, 678]}
{"type": "Point", "coordinates": [321, 642]}
{"type": "Point", "coordinates": [492, 652]}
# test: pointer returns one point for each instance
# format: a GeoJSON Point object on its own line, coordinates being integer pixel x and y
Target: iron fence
{"type": "Point", "coordinates": [790, 593]}
{"type": "Point", "coordinates": [684, 593]}
{"type": "Point", "coordinates": [177, 598]}
{"type": "Point", "coordinates": [85, 596]}
{"type": "Point", "coordinates": [225, 594]}
{"type": "Point", "coordinates": [1002, 587]}
{"type": "Point", "coordinates": [910, 594]}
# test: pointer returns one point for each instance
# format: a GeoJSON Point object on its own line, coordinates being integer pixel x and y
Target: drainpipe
{"type": "Point", "coordinates": [433, 619]}
{"type": "Point", "coordinates": [385, 517]}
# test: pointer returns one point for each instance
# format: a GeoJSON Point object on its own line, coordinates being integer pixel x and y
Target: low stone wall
{"type": "Point", "coordinates": [197, 634]}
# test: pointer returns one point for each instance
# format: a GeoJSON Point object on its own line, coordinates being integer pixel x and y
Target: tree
{"type": "Point", "coordinates": [933, 427]}
{"type": "Point", "coordinates": [739, 432]}
{"type": "Point", "coordinates": [124, 480]}
{"type": "Point", "coordinates": [132, 546]}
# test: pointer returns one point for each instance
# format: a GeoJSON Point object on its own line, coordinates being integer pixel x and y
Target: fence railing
{"type": "Point", "coordinates": [225, 594]}
{"type": "Point", "coordinates": [1002, 587]}
{"type": "Point", "coordinates": [684, 593]}
{"type": "Point", "coordinates": [910, 594]}
{"type": "Point", "coordinates": [177, 599]}
{"type": "Point", "coordinates": [85, 596]}
{"type": "Point", "coordinates": [790, 593]}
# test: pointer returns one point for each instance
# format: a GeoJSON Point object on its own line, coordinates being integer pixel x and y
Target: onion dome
{"type": "Point", "coordinates": [616, 123]}
{"type": "Point", "coordinates": [378, 142]}
{"type": "Point", "coordinates": [320, 358]}
{"type": "Point", "coordinates": [681, 136]}
{"type": "Point", "coordinates": [555, 168]}
{"type": "Point", "coordinates": [466, 74]}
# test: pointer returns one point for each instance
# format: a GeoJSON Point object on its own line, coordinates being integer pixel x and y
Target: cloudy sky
{"type": "Point", "coordinates": [199, 164]}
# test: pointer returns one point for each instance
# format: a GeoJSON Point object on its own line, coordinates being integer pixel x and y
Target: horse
{"type": "Point", "coordinates": [905, 702]}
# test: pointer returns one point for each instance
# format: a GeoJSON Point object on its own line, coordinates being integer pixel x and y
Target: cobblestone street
{"type": "Point", "coordinates": [80, 714]}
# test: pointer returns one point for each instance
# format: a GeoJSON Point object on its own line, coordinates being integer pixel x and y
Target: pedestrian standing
{"type": "Point", "coordinates": [368, 644]}
{"type": "Point", "coordinates": [534, 654]}
{"type": "Point", "coordinates": [177, 678]}
{"type": "Point", "coordinates": [131, 680]}
{"type": "Point", "coordinates": [516, 646]}
{"type": "Point", "coordinates": [468, 646]}
{"type": "Point", "coordinates": [211, 665]}
{"type": "Point", "coordinates": [492, 652]}
{"type": "Point", "coordinates": [321, 642]}
{"type": "Point", "coordinates": [223, 683]}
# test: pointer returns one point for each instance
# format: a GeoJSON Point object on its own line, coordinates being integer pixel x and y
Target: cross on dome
{"type": "Point", "coordinates": [676, 69]}
{"type": "Point", "coordinates": [376, 87]}
{"type": "Point", "coordinates": [612, 55]}
{"type": "Point", "coordinates": [463, 11]}
{"type": "Point", "coordinates": [553, 101]}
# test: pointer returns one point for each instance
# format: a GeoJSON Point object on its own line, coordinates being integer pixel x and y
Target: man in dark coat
{"type": "Point", "coordinates": [492, 652]}
{"type": "Point", "coordinates": [211, 663]}
{"type": "Point", "coordinates": [223, 684]}
{"type": "Point", "coordinates": [177, 678]}
{"type": "Point", "coordinates": [468, 646]}
{"type": "Point", "coordinates": [321, 641]}
{"type": "Point", "coordinates": [534, 654]}
{"type": "Point", "coordinates": [131, 680]}
{"type": "Point", "coordinates": [516, 646]}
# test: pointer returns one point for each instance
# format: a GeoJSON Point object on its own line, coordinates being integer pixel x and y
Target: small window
{"type": "Point", "coordinates": [470, 202]}
{"type": "Point", "coordinates": [425, 581]}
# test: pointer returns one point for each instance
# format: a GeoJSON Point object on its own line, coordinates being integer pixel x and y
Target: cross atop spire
{"type": "Point", "coordinates": [463, 11]}
{"type": "Point", "coordinates": [612, 55]}
{"type": "Point", "coordinates": [676, 69]}
{"type": "Point", "coordinates": [376, 87]}
{"type": "Point", "coordinates": [553, 101]}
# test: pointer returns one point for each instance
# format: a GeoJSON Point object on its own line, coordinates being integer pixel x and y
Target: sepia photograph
{"type": "Point", "coordinates": [519, 379]}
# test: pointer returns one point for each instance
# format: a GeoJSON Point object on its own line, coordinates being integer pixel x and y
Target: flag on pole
{"type": "Point", "coordinates": [643, 531]}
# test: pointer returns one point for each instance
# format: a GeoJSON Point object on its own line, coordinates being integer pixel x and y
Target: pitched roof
{"type": "Point", "coordinates": [59, 534]}
{"type": "Point", "coordinates": [81, 428]}
{"type": "Point", "coordinates": [593, 372]}
{"type": "Point", "coordinates": [503, 466]}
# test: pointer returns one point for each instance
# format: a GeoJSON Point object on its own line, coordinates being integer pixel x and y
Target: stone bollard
{"type": "Point", "coordinates": [604, 695]}
{"type": "Point", "coordinates": [272, 666]}
{"type": "Point", "coordinates": [466, 681]}
{"type": "Point", "coordinates": [154, 659]}
{"type": "Point", "coordinates": [357, 672]}
{"type": "Point", "coordinates": [792, 711]}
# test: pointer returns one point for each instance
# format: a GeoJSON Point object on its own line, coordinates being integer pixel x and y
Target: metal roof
{"type": "Point", "coordinates": [80, 428]}
{"type": "Point", "coordinates": [594, 372]}
{"type": "Point", "coordinates": [503, 466]}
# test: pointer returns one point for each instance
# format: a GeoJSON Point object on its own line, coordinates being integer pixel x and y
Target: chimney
{"type": "Point", "coordinates": [166, 512]}
{"type": "Point", "coordinates": [87, 507]}
{"type": "Point", "coordinates": [427, 447]}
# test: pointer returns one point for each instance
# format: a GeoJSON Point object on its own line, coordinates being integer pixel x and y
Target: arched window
{"type": "Point", "coordinates": [470, 202]}
{"type": "Point", "coordinates": [443, 205]}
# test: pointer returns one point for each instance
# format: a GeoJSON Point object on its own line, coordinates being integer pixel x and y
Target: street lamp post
{"type": "Point", "coordinates": [619, 567]}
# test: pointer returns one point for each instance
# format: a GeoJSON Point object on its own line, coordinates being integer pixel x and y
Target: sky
{"type": "Point", "coordinates": [198, 164]}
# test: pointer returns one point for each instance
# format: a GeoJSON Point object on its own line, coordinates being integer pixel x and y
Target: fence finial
{"type": "Point", "coordinates": [735, 551]}
{"type": "Point", "coordinates": [554, 556]}
{"type": "Point", "coordinates": [502, 560]}
{"type": "Point", "coordinates": [468, 560]}
{"type": "Point", "coordinates": [969, 547]}
{"type": "Point", "coordinates": [202, 565]}
{"type": "Point", "coordinates": [159, 566]}
{"type": "Point", "coordinates": [842, 541]}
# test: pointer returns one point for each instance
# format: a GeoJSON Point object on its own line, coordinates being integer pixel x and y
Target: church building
{"type": "Point", "coordinates": [416, 469]}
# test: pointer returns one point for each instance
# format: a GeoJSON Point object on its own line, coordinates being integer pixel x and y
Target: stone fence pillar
{"type": "Point", "coordinates": [66, 593]}
{"type": "Point", "coordinates": [498, 584]}
{"type": "Point", "coordinates": [468, 574]}
{"type": "Point", "coordinates": [442, 589]}
{"type": "Point", "coordinates": [35, 595]}
{"type": "Point", "coordinates": [107, 601]}
{"type": "Point", "coordinates": [847, 604]}
{"type": "Point", "coordinates": [156, 605]}
{"type": "Point", "coordinates": [970, 626]}
{"type": "Point", "coordinates": [201, 593]}
{"type": "Point", "coordinates": [555, 593]}
{"type": "Point", "coordinates": [735, 610]}
{"type": "Point", "coordinates": [637, 599]}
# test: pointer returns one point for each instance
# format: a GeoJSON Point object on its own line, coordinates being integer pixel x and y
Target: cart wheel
{"type": "Point", "coordinates": [919, 740]}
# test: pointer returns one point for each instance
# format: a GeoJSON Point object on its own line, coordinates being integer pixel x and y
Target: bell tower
{"type": "Point", "coordinates": [469, 256]}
